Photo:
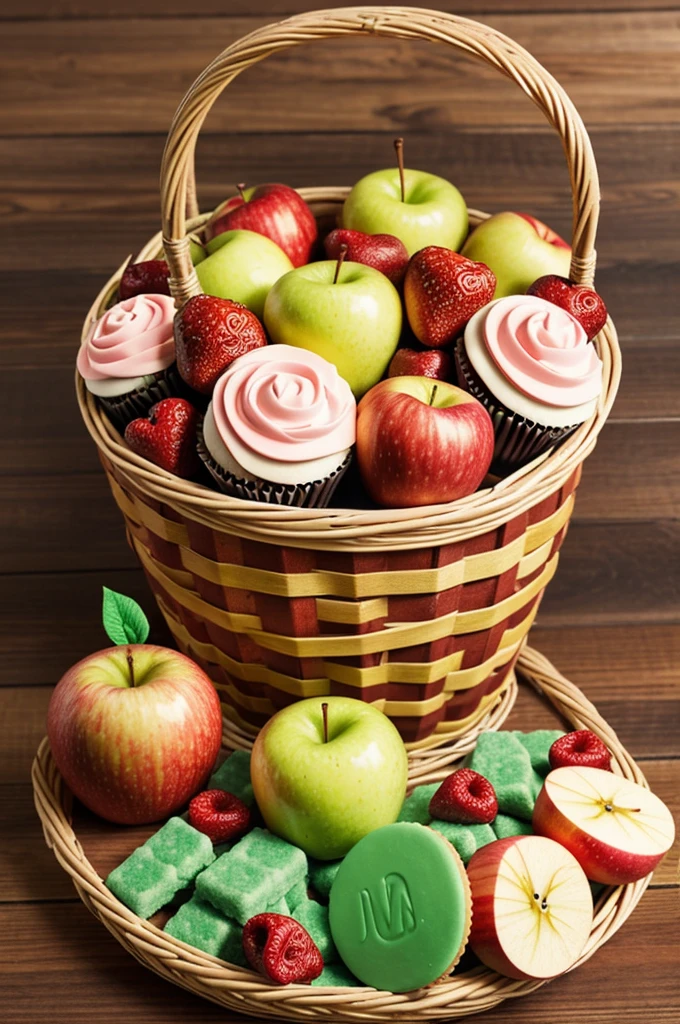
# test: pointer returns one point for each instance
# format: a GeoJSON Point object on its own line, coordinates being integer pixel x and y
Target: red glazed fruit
{"type": "Point", "coordinates": [466, 798]}
{"type": "Point", "coordinates": [582, 747]}
{"type": "Point", "coordinates": [430, 362]}
{"type": "Point", "coordinates": [210, 333]}
{"type": "Point", "coordinates": [442, 290]}
{"type": "Point", "coordinates": [167, 437]}
{"type": "Point", "coordinates": [382, 252]}
{"type": "Point", "coordinates": [584, 304]}
{"type": "Point", "coordinates": [281, 949]}
{"type": "Point", "coordinates": [220, 815]}
{"type": "Point", "coordinates": [150, 277]}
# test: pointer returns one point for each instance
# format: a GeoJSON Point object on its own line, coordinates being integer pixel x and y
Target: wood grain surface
{"type": "Point", "coordinates": [88, 88]}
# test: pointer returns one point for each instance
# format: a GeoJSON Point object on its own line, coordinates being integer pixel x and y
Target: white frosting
{"type": "Point", "coordinates": [113, 387]}
{"type": "Point", "coordinates": [498, 384]}
{"type": "Point", "coordinates": [277, 472]}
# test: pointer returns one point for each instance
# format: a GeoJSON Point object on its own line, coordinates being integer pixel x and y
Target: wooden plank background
{"type": "Point", "coordinates": [87, 92]}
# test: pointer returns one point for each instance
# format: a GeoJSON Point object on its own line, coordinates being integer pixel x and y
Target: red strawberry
{"type": "Point", "coordinates": [581, 747]}
{"type": "Point", "coordinates": [220, 815]}
{"type": "Point", "coordinates": [150, 277]}
{"type": "Point", "coordinates": [442, 291]}
{"type": "Point", "coordinates": [382, 252]}
{"type": "Point", "coordinates": [430, 362]}
{"type": "Point", "coordinates": [281, 949]}
{"type": "Point", "coordinates": [584, 304]}
{"type": "Point", "coordinates": [209, 334]}
{"type": "Point", "coordinates": [465, 797]}
{"type": "Point", "coordinates": [167, 437]}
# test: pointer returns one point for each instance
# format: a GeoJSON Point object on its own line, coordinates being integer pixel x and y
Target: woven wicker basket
{"type": "Point", "coordinates": [469, 992]}
{"type": "Point", "coordinates": [420, 611]}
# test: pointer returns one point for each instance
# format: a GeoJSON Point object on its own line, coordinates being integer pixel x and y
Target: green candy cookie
{"type": "Point", "coordinates": [400, 908]}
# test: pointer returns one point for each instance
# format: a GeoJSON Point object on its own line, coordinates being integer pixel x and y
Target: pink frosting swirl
{"type": "Point", "coordinates": [132, 339]}
{"type": "Point", "coordinates": [285, 404]}
{"type": "Point", "coordinates": [543, 350]}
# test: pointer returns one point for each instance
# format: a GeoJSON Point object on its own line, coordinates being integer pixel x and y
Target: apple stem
{"type": "Point", "coordinates": [434, 392]}
{"type": "Point", "coordinates": [241, 191]}
{"type": "Point", "coordinates": [131, 667]}
{"type": "Point", "coordinates": [341, 259]}
{"type": "Point", "coordinates": [324, 712]}
{"type": "Point", "coordinates": [399, 147]}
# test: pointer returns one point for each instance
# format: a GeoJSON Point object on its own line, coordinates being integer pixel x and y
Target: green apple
{"type": "Point", "coordinates": [324, 785]}
{"type": "Point", "coordinates": [242, 266]}
{"type": "Point", "coordinates": [353, 322]}
{"type": "Point", "coordinates": [433, 212]}
{"type": "Point", "coordinates": [519, 249]}
{"type": "Point", "coordinates": [197, 251]}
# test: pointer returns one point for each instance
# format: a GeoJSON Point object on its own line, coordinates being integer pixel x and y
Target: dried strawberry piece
{"type": "Point", "coordinates": [281, 949]}
{"type": "Point", "coordinates": [465, 797]}
{"type": "Point", "coordinates": [581, 747]}
{"type": "Point", "coordinates": [220, 815]}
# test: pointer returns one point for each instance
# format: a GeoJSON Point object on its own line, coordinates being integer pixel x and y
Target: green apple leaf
{"type": "Point", "coordinates": [124, 621]}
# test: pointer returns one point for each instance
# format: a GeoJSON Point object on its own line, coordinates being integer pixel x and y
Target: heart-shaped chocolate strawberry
{"type": "Point", "coordinates": [584, 304]}
{"type": "Point", "coordinates": [442, 291]}
{"type": "Point", "coordinates": [167, 437]}
{"type": "Point", "coordinates": [209, 334]}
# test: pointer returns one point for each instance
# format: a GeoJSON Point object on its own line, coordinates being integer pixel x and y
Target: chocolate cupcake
{"type": "Point", "coordinates": [530, 364]}
{"type": "Point", "coordinates": [280, 428]}
{"type": "Point", "coordinates": [128, 357]}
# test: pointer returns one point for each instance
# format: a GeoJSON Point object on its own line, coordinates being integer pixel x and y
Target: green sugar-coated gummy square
{"type": "Point", "coordinates": [179, 844]}
{"type": "Point", "coordinates": [254, 874]}
{"type": "Point", "coordinates": [537, 744]}
{"type": "Point", "coordinates": [314, 918]}
{"type": "Point", "coordinates": [278, 907]}
{"type": "Point", "coordinates": [298, 894]}
{"type": "Point", "coordinates": [337, 976]}
{"type": "Point", "coordinates": [143, 883]}
{"type": "Point", "coordinates": [322, 875]}
{"type": "Point", "coordinates": [501, 758]}
{"type": "Point", "coordinates": [233, 775]}
{"type": "Point", "coordinates": [198, 924]}
{"type": "Point", "coordinates": [506, 826]}
{"type": "Point", "coordinates": [416, 807]}
{"type": "Point", "coordinates": [465, 839]}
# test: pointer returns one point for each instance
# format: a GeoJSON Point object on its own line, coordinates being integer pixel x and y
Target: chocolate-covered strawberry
{"type": "Point", "coordinates": [442, 291]}
{"type": "Point", "coordinates": [385, 253]}
{"type": "Point", "coordinates": [465, 797]}
{"type": "Point", "coordinates": [167, 437]}
{"type": "Point", "coordinates": [149, 277]}
{"type": "Point", "coordinates": [584, 304]}
{"type": "Point", "coordinates": [210, 333]}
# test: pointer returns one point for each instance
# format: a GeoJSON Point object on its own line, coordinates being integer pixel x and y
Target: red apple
{"type": "Point", "coordinates": [277, 211]}
{"type": "Point", "coordinates": [385, 253]}
{"type": "Point", "coordinates": [442, 291]}
{"type": "Point", "coordinates": [422, 442]}
{"type": "Point", "coordinates": [617, 831]}
{"type": "Point", "coordinates": [135, 731]}
{"type": "Point", "coordinates": [584, 304]}
{"type": "Point", "coordinates": [428, 362]}
{"type": "Point", "coordinates": [532, 907]}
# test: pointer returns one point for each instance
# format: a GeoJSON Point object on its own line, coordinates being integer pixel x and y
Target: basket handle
{"type": "Point", "coordinates": [177, 169]}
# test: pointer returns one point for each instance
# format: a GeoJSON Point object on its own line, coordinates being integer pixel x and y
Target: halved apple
{"type": "Point", "coordinates": [532, 907]}
{"type": "Point", "coordinates": [617, 830]}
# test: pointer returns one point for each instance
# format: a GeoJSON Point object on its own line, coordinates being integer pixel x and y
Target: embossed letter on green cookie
{"type": "Point", "coordinates": [400, 908]}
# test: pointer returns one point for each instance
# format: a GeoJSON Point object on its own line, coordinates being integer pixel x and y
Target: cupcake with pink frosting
{"type": "Point", "coordinates": [280, 428]}
{"type": "Point", "coordinates": [128, 357]}
{"type": "Point", "coordinates": [530, 364]}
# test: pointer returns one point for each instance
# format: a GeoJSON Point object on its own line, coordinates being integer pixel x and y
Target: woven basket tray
{"type": "Point", "coordinates": [420, 611]}
{"type": "Point", "coordinates": [470, 992]}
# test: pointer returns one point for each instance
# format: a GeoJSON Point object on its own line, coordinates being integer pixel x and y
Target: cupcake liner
{"type": "Point", "coordinates": [122, 409]}
{"type": "Point", "coordinates": [518, 440]}
{"type": "Point", "coordinates": [316, 494]}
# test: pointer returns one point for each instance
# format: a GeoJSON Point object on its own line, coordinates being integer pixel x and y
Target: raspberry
{"type": "Point", "coordinates": [220, 815]}
{"type": "Point", "coordinates": [466, 798]}
{"type": "Point", "coordinates": [281, 949]}
{"type": "Point", "coordinates": [581, 747]}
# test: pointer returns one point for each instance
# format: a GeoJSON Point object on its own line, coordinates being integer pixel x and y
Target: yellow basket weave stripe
{"type": "Point", "coordinates": [326, 584]}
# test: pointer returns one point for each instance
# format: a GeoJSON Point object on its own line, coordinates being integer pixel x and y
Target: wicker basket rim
{"type": "Point", "coordinates": [233, 987]}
